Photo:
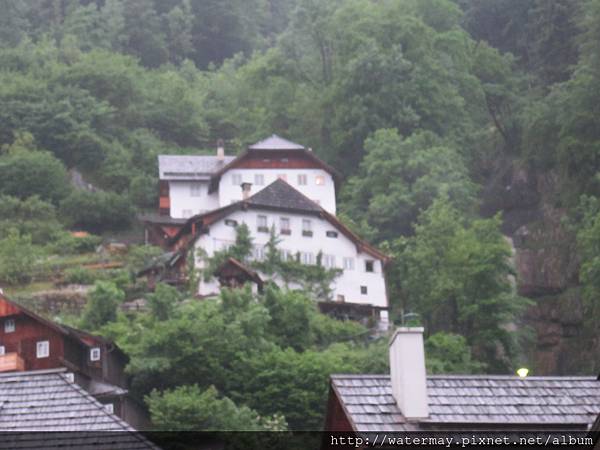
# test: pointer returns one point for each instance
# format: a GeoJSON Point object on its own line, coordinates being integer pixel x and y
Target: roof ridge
{"type": "Point", "coordinates": [29, 373]}
{"type": "Point", "coordinates": [476, 377]}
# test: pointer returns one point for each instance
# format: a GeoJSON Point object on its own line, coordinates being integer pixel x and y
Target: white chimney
{"type": "Point", "coordinates": [246, 188]}
{"type": "Point", "coordinates": [220, 150]}
{"type": "Point", "coordinates": [407, 372]}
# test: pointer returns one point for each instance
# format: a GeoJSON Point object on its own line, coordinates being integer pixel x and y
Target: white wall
{"type": "Point", "coordinates": [347, 284]}
{"type": "Point", "coordinates": [184, 205]}
{"type": "Point", "coordinates": [324, 194]}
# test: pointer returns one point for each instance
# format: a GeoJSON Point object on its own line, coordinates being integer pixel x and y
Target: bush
{"type": "Point", "coordinates": [17, 257]}
{"type": "Point", "coordinates": [31, 216]}
{"type": "Point", "coordinates": [67, 244]}
{"type": "Point", "coordinates": [96, 211]}
{"type": "Point", "coordinates": [79, 275]}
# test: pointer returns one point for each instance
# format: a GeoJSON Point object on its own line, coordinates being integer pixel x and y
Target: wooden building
{"type": "Point", "coordinates": [29, 342]}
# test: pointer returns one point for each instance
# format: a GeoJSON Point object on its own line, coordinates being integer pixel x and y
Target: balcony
{"type": "Point", "coordinates": [11, 362]}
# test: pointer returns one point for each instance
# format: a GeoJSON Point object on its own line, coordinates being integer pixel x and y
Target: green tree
{"type": "Point", "coordinates": [400, 177]}
{"type": "Point", "coordinates": [102, 304]}
{"type": "Point", "coordinates": [163, 301]}
{"type": "Point", "coordinates": [27, 173]}
{"type": "Point", "coordinates": [449, 353]}
{"type": "Point", "coordinates": [457, 275]}
{"type": "Point", "coordinates": [96, 211]}
{"type": "Point", "coordinates": [31, 216]}
{"type": "Point", "coordinates": [17, 258]}
{"type": "Point", "coordinates": [190, 408]}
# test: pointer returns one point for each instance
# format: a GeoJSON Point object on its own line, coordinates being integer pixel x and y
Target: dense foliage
{"type": "Point", "coordinates": [423, 105]}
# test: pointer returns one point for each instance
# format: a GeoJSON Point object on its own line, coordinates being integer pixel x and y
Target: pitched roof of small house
{"type": "Point", "coordinates": [190, 167]}
{"type": "Point", "coordinates": [275, 142]}
{"type": "Point", "coordinates": [278, 196]}
{"type": "Point", "coordinates": [233, 266]}
{"type": "Point", "coordinates": [10, 308]}
{"type": "Point", "coordinates": [472, 400]}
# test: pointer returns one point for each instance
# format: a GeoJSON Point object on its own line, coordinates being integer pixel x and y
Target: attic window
{"type": "Point", "coordinates": [95, 354]}
{"type": "Point", "coordinates": [9, 325]}
{"type": "Point", "coordinates": [369, 266]}
{"type": "Point", "coordinates": [42, 349]}
{"type": "Point", "coordinates": [332, 234]}
{"type": "Point", "coordinates": [231, 223]}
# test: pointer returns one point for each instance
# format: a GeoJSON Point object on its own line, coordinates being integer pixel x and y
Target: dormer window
{"type": "Point", "coordinates": [9, 326]}
{"type": "Point", "coordinates": [95, 354]}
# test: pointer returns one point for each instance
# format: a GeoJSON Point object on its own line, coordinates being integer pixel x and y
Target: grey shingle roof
{"type": "Point", "coordinates": [275, 143]}
{"type": "Point", "coordinates": [473, 399]}
{"type": "Point", "coordinates": [281, 195]}
{"type": "Point", "coordinates": [48, 401]}
{"type": "Point", "coordinates": [189, 167]}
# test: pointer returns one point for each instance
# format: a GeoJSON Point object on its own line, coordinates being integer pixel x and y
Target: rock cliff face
{"type": "Point", "coordinates": [547, 269]}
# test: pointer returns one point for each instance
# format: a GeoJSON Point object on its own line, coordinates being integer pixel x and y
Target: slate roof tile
{"type": "Point", "coordinates": [471, 399]}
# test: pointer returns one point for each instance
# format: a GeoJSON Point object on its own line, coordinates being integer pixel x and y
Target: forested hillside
{"type": "Point", "coordinates": [467, 133]}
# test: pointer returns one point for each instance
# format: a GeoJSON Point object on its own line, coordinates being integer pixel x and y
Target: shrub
{"type": "Point", "coordinates": [96, 211]}
{"type": "Point", "coordinates": [79, 275]}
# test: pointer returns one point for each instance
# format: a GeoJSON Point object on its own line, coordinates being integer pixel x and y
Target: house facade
{"type": "Point", "coordinates": [29, 342]}
{"type": "Point", "coordinates": [275, 185]}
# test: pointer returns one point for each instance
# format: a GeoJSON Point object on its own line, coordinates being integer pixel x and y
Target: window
{"type": "Point", "coordinates": [363, 290]}
{"type": "Point", "coordinates": [348, 263]}
{"type": "Point", "coordinates": [231, 223]}
{"type": "Point", "coordinates": [307, 228]}
{"type": "Point", "coordinates": [285, 160]}
{"type": "Point", "coordinates": [2, 350]}
{"type": "Point", "coordinates": [236, 179]}
{"type": "Point", "coordinates": [286, 255]}
{"type": "Point", "coordinates": [9, 325]}
{"type": "Point", "coordinates": [306, 258]}
{"type": "Point", "coordinates": [282, 176]}
{"type": "Point", "coordinates": [95, 354]}
{"type": "Point", "coordinates": [259, 179]}
{"type": "Point", "coordinates": [329, 261]}
{"type": "Point", "coordinates": [42, 349]}
{"type": "Point", "coordinates": [259, 253]}
{"type": "Point", "coordinates": [319, 180]}
{"type": "Point", "coordinates": [302, 180]}
{"type": "Point", "coordinates": [369, 266]}
{"type": "Point", "coordinates": [187, 213]}
{"type": "Point", "coordinates": [284, 225]}
{"type": "Point", "coordinates": [196, 190]}
{"type": "Point", "coordinates": [261, 224]}
{"type": "Point", "coordinates": [332, 234]}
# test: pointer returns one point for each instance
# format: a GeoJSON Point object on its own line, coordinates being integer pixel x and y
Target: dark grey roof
{"type": "Point", "coordinates": [281, 195]}
{"type": "Point", "coordinates": [189, 167]}
{"type": "Point", "coordinates": [160, 219]}
{"type": "Point", "coordinates": [47, 400]}
{"type": "Point", "coordinates": [275, 143]}
{"type": "Point", "coordinates": [473, 399]}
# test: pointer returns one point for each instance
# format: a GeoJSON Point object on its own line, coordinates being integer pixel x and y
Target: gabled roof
{"type": "Point", "coordinates": [232, 263]}
{"type": "Point", "coordinates": [280, 195]}
{"type": "Point", "coordinates": [46, 400]}
{"type": "Point", "coordinates": [190, 167]}
{"type": "Point", "coordinates": [8, 307]}
{"type": "Point", "coordinates": [472, 400]}
{"type": "Point", "coordinates": [275, 142]}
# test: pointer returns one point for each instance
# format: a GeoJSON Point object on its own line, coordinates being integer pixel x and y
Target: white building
{"type": "Point", "coordinates": [274, 183]}
{"type": "Point", "coordinates": [194, 184]}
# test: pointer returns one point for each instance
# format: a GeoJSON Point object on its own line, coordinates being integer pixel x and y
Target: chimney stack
{"type": "Point", "coordinates": [407, 372]}
{"type": "Point", "coordinates": [220, 150]}
{"type": "Point", "coordinates": [246, 187]}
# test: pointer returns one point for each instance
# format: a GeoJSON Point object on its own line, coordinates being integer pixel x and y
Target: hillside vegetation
{"type": "Point", "coordinates": [455, 123]}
